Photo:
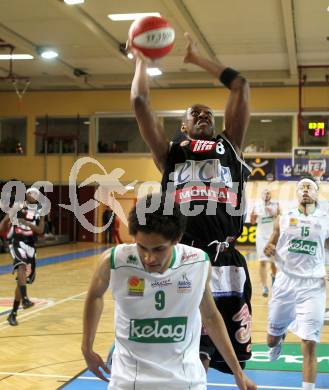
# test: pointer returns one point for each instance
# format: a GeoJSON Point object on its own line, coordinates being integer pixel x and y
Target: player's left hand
{"type": "Point", "coordinates": [245, 383]}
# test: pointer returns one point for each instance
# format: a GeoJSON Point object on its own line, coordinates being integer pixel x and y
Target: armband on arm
{"type": "Point", "coordinates": [227, 76]}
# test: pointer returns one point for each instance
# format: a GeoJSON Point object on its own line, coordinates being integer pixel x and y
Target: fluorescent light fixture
{"type": "Point", "coordinates": [153, 71]}
{"type": "Point", "coordinates": [120, 17]}
{"type": "Point", "coordinates": [130, 56]}
{"type": "Point", "coordinates": [16, 57]}
{"type": "Point", "coordinates": [48, 54]}
{"type": "Point", "coordinates": [72, 2]}
{"type": "Point", "coordinates": [86, 122]}
{"type": "Point", "coordinates": [266, 120]}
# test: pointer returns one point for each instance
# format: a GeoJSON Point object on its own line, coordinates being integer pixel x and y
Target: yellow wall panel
{"type": "Point", "coordinates": [30, 168]}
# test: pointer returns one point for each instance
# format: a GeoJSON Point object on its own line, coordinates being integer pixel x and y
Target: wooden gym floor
{"type": "Point", "coordinates": [43, 352]}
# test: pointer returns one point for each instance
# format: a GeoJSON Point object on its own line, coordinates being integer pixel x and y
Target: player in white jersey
{"type": "Point", "coordinates": [161, 289]}
{"type": "Point", "coordinates": [299, 291]}
{"type": "Point", "coordinates": [264, 214]}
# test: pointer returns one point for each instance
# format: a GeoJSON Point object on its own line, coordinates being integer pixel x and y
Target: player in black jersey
{"type": "Point", "coordinates": [22, 248]}
{"type": "Point", "coordinates": [207, 176]}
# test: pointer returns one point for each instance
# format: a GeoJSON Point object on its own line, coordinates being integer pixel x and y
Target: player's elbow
{"type": "Point", "coordinates": [139, 102]}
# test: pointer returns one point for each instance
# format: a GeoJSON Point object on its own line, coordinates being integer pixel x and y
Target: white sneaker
{"type": "Point", "coordinates": [275, 352]}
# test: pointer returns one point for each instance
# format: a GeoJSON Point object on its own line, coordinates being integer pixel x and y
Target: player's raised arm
{"type": "Point", "coordinates": [149, 125]}
{"type": "Point", "coordinates": [269, 249]}
{"type": "Point", "coordinates": [92, 312]}
{"type": "Point", "coordinates": [216, 329]}
{"type": "Point", "coordinates": [237, 108]}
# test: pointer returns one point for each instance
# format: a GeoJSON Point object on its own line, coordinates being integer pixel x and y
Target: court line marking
{"type": "Point", "coordinates": [92, 378]}
{"type": "Point", "coordinates": [29, 315]}
{"type": "Point", "coordinates": [56, 259]}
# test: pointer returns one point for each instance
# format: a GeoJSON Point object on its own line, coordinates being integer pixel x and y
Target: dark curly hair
{"type": "Point", "coordinates": [170, 224]}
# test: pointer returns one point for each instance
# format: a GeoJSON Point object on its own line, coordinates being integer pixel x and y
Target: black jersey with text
{"type": "Point", "coordinates": [22, 232]}
{"type": "Point", "coordinates": [210, 175]}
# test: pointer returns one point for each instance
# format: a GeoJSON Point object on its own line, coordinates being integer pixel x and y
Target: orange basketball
{"type": "Point", "coordinates": [152, 35]}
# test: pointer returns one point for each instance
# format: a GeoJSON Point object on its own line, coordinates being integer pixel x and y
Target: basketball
{"type": "Point", "coordinates": [153, 36]}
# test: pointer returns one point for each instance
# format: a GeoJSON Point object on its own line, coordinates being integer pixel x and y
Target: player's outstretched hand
{"type": "Point", "coordinates": [94, 363]}
{"type": "Point", "coordinates": [192, 52]}
{"type": "Point", "coordinates": [245, 383]}
{"type": "Point", "coordinates": [269, 250]}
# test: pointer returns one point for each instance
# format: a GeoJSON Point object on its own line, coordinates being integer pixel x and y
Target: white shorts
{"type": "Point", "coordinates": [127, 374]}
{"type": "Point", "coordinates": [299, 305]}
{"type": "Point", "coordinates": [260, 245]}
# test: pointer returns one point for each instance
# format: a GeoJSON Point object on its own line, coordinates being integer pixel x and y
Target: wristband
{"type": "Point", "coordinates": [227, 76]}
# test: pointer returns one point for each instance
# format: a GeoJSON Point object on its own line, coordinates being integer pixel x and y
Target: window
{"type": "Point", "coordinates": [315, 130]}
{"type": "Point", "coordinates": [269, 134]}
{"type": "Point", "coordinates": [13, 135]}
{"type": "Point", "coordinates": [61, 134]}
{"type": "Point", "coordinates": [119, 135]}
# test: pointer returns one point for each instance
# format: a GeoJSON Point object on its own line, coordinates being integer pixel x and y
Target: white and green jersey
{"type": "Point", "coordinates": [300, 249]}
{"type": "Point", "coordinates": [266, 214]}
{"type": "Point", "coordinates": [157, 320]}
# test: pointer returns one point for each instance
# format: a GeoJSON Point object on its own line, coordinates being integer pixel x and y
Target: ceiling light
{"type": "Point", "coordinates": [72, 2]}
{"type": "Point", "coordinates": [120, 17]}
{"type": "Point", "coordinates": [86, 122]}
{"type": "Point", "coordinates": [130, 56]}
{"type": "Point", "coordinates": [154, 71]}
{"type": "Point", "coordinates": [129, 187]}
{"type": "Point", "coordinates": [266, 120]}
{"type": "Point", "coordinates": [16, 57]}
{"type": "Point", "coordinates": [47, 53]}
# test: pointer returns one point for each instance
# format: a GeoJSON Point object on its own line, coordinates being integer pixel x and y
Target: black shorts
{"type": "Point", "coordinates": [23, 253]}
{"type": "Point", "coordinates": [232, 295]}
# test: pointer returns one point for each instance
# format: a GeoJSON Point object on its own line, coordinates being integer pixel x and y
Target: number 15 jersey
{"type": "Point", "coordinates": [300, 249]}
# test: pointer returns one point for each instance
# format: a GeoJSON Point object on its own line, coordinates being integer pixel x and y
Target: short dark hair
{"type": "Point", "coordinates": [170, 226]}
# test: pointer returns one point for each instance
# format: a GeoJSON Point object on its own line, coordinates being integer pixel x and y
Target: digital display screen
{"type": "Point", "coordinates": [317, 129]}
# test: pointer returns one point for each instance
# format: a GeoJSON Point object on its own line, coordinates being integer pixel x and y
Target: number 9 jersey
{"type": "Point", "coordinates": [157, 320]}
